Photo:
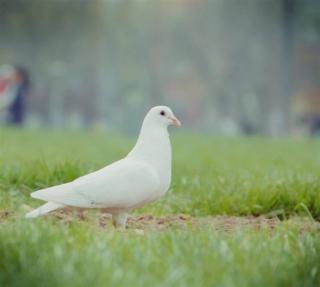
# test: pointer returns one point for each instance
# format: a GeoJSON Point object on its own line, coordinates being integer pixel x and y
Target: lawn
{"type": "Point", "coordinates": [251, 180]}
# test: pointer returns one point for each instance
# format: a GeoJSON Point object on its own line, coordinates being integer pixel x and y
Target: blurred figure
{"type": "Point", "coordinates": [7, 86]}
{"type": "Point", "coordinates": [14, 87]}
{"type": "Point", "coordinates": [17, 108]}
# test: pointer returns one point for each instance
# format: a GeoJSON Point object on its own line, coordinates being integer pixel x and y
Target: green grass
{"type": "Point", "coordinates": [211, 175]}
{"type": "Point", "coordinates": [235, 176]}
{"type": "Point", "coordinates": [46, 253]}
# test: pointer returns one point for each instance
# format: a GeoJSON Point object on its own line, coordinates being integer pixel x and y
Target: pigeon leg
{"type": "Point", "coordinates": [80, 213]}
{"type": "Point", "coordinates": [120, 220]}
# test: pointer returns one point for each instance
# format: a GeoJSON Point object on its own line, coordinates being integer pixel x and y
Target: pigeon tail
{"type": "Point", "coordinates": [43, 209]}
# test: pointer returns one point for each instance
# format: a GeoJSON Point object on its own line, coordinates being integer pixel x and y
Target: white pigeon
{"type": "Point", "coordinates": [141, 177]}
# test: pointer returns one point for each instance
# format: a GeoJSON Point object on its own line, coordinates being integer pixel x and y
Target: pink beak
{"type": "Point", "coordinates": [175, 121]}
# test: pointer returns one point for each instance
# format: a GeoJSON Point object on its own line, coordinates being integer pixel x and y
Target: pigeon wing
{"type": "Point", "coordinates": [123, 184]}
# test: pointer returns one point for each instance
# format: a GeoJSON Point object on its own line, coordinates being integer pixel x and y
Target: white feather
{"type": "Point", "coordinates": [123, 184]}
{"type": "Point", "coordinates": [141, 177]}
{"type": "Point", "coordinates": [43, 209]}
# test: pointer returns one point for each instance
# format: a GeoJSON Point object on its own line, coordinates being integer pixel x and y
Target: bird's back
{"type": "Point", "coordinates": [123, 184]}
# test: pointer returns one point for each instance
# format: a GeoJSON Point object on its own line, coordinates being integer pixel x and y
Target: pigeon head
{"type": "Point", "coordinates": [162, 115]}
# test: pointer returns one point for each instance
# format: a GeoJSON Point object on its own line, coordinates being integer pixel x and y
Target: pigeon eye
{"type": "Point", "coordinates": [162, 113]}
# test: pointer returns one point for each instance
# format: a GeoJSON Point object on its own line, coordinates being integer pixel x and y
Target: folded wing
{"type": "Point", "coordinates": [123, 184]}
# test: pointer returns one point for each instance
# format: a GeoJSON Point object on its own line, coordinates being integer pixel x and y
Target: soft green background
{"type": "Point", "coordinates": [234, 176]}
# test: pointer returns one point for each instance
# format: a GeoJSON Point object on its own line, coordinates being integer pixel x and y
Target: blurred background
{"type": "Point", "coordinates": [224, 66]}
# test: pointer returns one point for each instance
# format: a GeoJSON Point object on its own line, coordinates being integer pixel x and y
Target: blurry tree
{"type": "Point", "coordinates": [104, 62]}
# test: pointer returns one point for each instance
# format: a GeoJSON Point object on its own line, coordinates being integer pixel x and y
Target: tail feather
{"type": "Point", "coordinates": [44, 209]}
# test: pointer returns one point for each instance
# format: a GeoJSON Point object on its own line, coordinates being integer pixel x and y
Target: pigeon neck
{"type": "Point", "coordinates": [152, 140]}
{"type": "Point", "coordinates": [153, 147]}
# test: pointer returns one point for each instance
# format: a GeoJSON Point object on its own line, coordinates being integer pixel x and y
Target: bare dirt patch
{"type": "Point", "coordinates": [4, 214]}
{"type": "Point", "coordinates": [222, 223]}
{"type": "Point", "coordinates": [147, 222]}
